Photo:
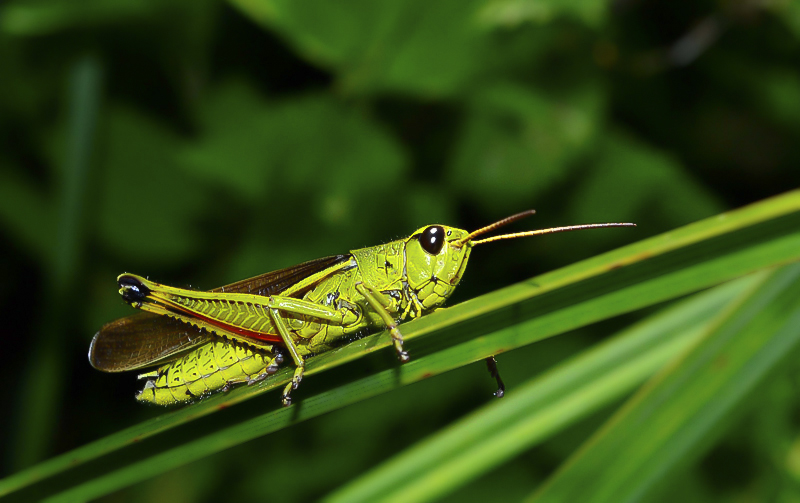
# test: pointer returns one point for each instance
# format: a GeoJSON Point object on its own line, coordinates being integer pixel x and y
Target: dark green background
{"type": "Point", "coordinates": [199, 143]}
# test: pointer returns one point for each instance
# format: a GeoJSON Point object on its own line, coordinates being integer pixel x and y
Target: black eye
{"type": "Point", "coordinates": [432, 239]}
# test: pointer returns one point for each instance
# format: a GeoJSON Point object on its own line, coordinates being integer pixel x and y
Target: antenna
{"type": "Point", "coordinates": [547, 231]}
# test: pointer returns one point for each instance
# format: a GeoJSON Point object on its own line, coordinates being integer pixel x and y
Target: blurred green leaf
{"type": "Point", "coordinates": [514, 12]}
{"type": "Point", "coordinates": [23, 98]}
{"type": "Point", "coordinates": [263, 149]}
{"type": "Point", "coordinates": [514, 133]}
{"type": "Point", "coordinates": [426, 48]}
{"type": "Point", "coordinates": [788, 11]}
{"type": "Point", "coordinates": [27, 213]}
{"type": "Point", "coordinates": [679, 413]}
{"type": "Point", "coordinates": [42, 17]}
{"type": "Point", "coordinates": [544, 405]}
{"type": "Point", "coordinates": [238, 140]}
{"type": "Point", "coordinates": [770, 90]}
{"type": "Point", "coordinates": [36, 414]}
{"type": "Point", "coordinates": [48, 17]}
{"type": "Point", "coordinates": [779, 93]}
{"type": "Point", "coordinates": [630, 178]}
{"type": "Point", "coordinates": [149, 208]}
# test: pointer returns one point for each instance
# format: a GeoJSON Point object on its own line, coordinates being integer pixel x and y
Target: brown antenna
{"type": "Point", "coordinates": [496, 225]}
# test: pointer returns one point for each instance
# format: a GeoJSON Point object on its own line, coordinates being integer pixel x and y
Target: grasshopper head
{"type": "Point", "coordinates": [437, 255]}
{"type": "Point", "coordinates": [435, 260]}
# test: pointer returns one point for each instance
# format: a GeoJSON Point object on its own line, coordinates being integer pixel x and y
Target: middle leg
{"type": "Point", "coordinates": [300, 364]}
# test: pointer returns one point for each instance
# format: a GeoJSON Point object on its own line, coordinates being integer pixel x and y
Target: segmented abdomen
{"type": "Point", "coordinates": [204, 370]}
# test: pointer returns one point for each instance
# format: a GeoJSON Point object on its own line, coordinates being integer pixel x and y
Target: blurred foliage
{"type": "Point", "coordinates": [201, 142]}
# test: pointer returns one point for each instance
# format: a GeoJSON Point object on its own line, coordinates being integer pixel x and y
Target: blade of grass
{"type": "Point", "coordinates": [42, 387]}
{"type": "Point", "coordinates": [657, 269]}
{"type": "Point", "coordinates": [678, 414]}
{"type": "Point", "coordinates": [546, 404]}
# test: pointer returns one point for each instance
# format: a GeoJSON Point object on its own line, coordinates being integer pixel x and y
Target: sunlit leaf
{"type": "Point", "coordinates": [675, 417]}
{"type": "Point", "coordinates": [545, 405]}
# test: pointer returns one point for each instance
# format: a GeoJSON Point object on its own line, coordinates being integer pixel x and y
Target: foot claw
{"type": "Point", "coordinates": [491, 364]}
{"type": "Point", "coordinates": [403, 356]}
{"type": "Point", "coordinates": [257, 379]}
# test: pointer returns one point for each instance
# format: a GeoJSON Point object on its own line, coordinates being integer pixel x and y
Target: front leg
{"type": "Point", "coordinates": [379, 303]}
{"type": "Point", "coordinates": [414, 307]}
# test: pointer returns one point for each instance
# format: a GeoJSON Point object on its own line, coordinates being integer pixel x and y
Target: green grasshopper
{"type": "Point", "coordinates": [209, 341]}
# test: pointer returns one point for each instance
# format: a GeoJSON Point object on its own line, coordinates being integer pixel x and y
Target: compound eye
{"type": "Point", "coordinates": [432, 239]}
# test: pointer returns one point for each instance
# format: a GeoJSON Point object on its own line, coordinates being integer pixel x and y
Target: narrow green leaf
{"type": "Point", "coordinates": [546, 404]}
{"type": "Point", "coordinates": [37, 414]}
{"type": "Point", "coordinates": [677, 415]}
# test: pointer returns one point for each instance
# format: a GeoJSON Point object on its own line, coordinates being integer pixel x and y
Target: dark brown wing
{"type": "Point", "coordinates": [145, 339]}
{"type": "Point", "coordinates": [273, 283]}
{"type": "Point", "coordinates": [142, 340]}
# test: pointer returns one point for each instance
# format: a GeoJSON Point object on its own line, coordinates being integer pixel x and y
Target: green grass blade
{"type": "Point", "coordinates": [546, 404]}
{"type": "Point", "coordinates": [677, 263]}
{"type": "Point", "coordinates": [677, 415]}
{"type": "Point", "coordinates": [43, 386]}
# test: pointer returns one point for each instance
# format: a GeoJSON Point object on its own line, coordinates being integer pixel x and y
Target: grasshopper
{"type": "Point", "coordinates": [204, 341]}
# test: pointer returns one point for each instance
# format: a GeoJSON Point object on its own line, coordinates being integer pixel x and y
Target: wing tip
{"type": "Point", "coordinates": [92, 353]}
{"type": "Point", "coordinates": [96, 359]}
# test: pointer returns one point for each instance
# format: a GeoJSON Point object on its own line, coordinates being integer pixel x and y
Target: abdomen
{"type": "Point", "coordinates": [206, 369]}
